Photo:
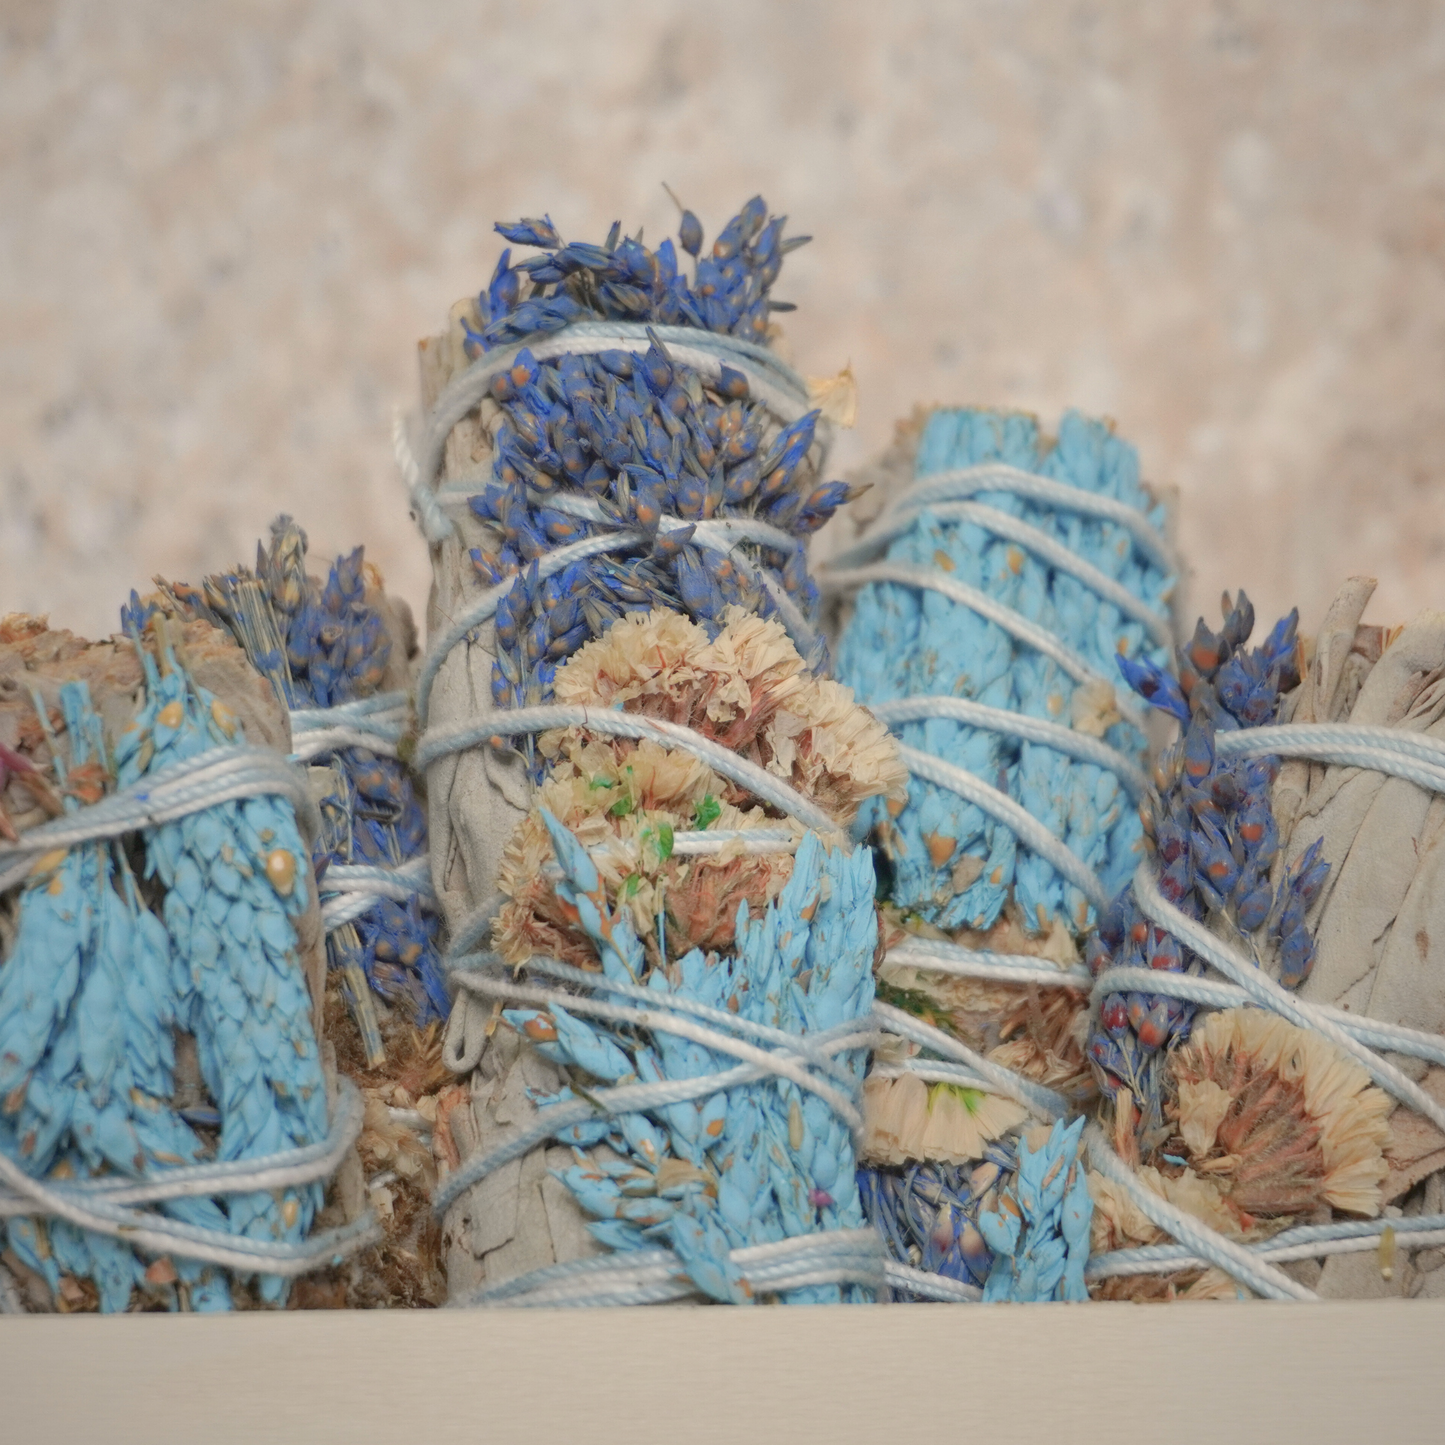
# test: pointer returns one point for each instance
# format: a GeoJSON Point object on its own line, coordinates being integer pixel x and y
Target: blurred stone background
{"type": "Point", "coordinates": [225, 226]}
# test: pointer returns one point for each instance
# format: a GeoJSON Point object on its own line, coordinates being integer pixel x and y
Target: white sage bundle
{"type": "Point", "coordinates": [1379, 923]}
{"type": "Point", "coordinates": [579, 465]}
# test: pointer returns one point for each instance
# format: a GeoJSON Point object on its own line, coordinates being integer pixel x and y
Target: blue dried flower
{"type": "Point", "coordinates": [948, 860]}
{"type": "Point", "coordinates": [640, 436]}
{"type": "Point", "coordinates": [751, 1164]}
{"type": "Point", "coordinates": [87, 1007]}
{"type": "Point", "coordinates": [1210, 825]}
{"type": "Point", "coordinates": [928, 1213]}
{"type": "Point", "coordinates": [1039, 1233]}
{"type": "Point", "coordinates": [322, 645]}
{"type": "Point", "coordinates": [234, 876]}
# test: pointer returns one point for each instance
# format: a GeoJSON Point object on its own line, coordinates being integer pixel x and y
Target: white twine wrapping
{"type": "Point", "coordinates": [218, 775]}
{"type": "Point", "coordinates": [926, 493]}
{"type": "Point", "coordinates": [437, 742]}
{"type": "Point", "coordinates": [1044, 642]}
{"type": "Point", "coordinates": [378, 723]}
{"type": "Point", "coordinates": [657, 1276]}
{"type": "Point", "coordinates": [777, 386]}
{"type": "Point", "coordinates": [99, 1204]}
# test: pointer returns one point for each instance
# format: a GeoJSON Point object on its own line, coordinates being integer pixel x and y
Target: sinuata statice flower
{"type": "Point", "coordinates": [1278, 1118]}
{"type": "Point", "coordinates": [906, 1120]}
{"type": "Point", "coordinates": [1269, 1126]}
{"type": "Point", "coordinates": [625, 800]}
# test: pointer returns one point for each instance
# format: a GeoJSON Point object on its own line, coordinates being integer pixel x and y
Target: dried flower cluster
{"type": "Point", "coordinates": [1269, 1125]}
{"type": "Point", "coordinates": [907, 1120]}
{"type": "Point", "coordinates": [626, 800]}
{"type": "Point", "coordinates": [1278, 1118]}
{"type": "Point", "coordinates": [951, 862]}
{"type": "Point", "coordinates": [321, 644]}
{"type": "Point", "coordinates": [1211, 827]}
{"type": "Point", "coordinates": [624, 281]}
{"type": "Point", "coordinates": [613, 442]}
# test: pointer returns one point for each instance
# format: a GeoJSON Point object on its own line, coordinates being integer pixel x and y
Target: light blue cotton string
{"type": "Point", "coordinates": [351, 890]}
{"type": "Point", "coordinates": [377, 723]}
{"type": "Point", "coordinates": [1309, 1241]}
{"type": "Point", "coordinates": [930, 1286]}
{"type": "Point", "coordinates": [1064, 740]}
{"type": "Point", "coordinates": [1235, 1259]}
{"type": "Point", "coordinates": [1416, 757]}
{"type": "Point", "coordinates": [779, 388]}
{"type": "Point", "coordinates": [1048, 549]}
{"type": "Point", "coordinates": [939, 957]}
{"type": "Point", "coordinates": [1391, 1038]}
{"type": "Point", "coordinates": [435, 525]}
{"type": "Point", "coordinates": [91, 1205]}
{"type": "Point", "coordinates": [933, 1071]}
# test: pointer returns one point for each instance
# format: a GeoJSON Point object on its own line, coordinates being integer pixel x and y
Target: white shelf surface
{"type": "Point", "coordinates": [1053, 1374]}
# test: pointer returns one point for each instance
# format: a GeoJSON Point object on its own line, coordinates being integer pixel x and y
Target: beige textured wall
{"type": "Point", "coordinates": [224, 225]}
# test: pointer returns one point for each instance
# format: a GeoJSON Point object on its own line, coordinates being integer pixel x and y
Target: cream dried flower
{"type": "Point", "coordinates": [1279, 1117]}
{"type": "Point", "coordinates": [1035, 1030]}
{"type": "Point", "coordinates": [626, 800]}
{"type": "Point", "coordinates": [906, 1120]}
{"type": "Point", "coordinates": [1119, 1223]}
{"type": "Point", "coordinates": [748, 690]}
{"type": "Point", "coordinates": [1275, 1124]}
